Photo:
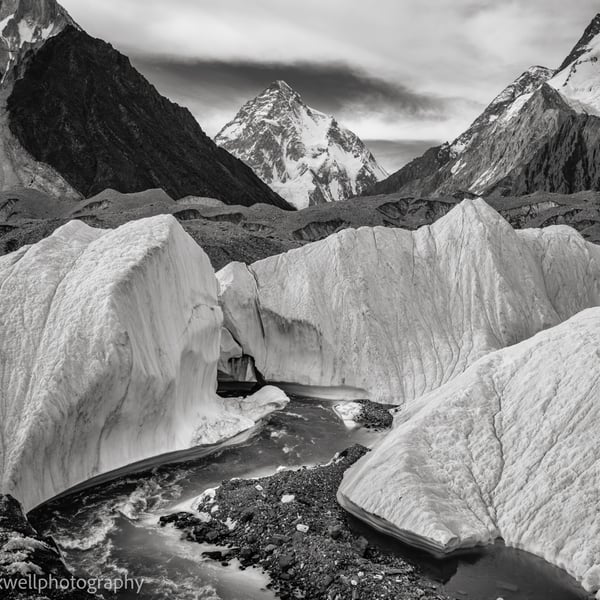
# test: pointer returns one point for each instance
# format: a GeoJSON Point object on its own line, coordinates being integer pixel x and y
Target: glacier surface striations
{"type": "Point", "coordinates": [508, 449]}
{"type": "Point", "coordinates": [390, 314]}
{"type": "Point", "coordinates": [109, 342]}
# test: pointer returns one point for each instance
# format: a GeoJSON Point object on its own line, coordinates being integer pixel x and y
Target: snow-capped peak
{"type": "Point", "coordinates": [591, 31]}
{"type": "Point", "coordinates": [25, 24]}
{"type": "Point", "coordinates": [281, 86]}
{"type": "Point", "coordinates": [302, 153]}
{"type": "Point", "coordinates": [526, 83]}
{"type": "Point", "coordinates": [578, 77]}
{"type": "Point", "coordinates": [504, 106]}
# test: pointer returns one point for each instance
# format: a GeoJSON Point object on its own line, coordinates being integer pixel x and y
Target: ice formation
{"type": "Point", "coordinates": [109, 343]}
{"type": "Point", "coordinates": [391, 314]}
{"type": "Point", "coordinates": [508, 449]}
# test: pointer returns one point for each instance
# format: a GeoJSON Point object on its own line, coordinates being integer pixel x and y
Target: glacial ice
{"type": "Point", "coordinates": [392, 314]}
{"type": "Point", "coordinates": [508, 449]}
{"type": "Point", "coordinates": [109, 343]}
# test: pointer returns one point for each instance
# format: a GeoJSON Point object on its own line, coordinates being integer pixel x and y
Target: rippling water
{"type": "Point", "coordinates": [110, 530]}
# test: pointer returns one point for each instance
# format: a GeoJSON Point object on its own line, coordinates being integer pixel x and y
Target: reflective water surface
{"type": "Point", "coordinates": [110, 530]}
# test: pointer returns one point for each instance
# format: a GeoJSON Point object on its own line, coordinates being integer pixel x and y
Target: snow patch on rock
{"type": "Point", "coordinates": [578, 79]}
{"type": "Point", "coordinates": [348, 412]}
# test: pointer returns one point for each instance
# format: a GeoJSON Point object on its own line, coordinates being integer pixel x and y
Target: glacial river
{"type": "Point", "coordinates": [110, 530]}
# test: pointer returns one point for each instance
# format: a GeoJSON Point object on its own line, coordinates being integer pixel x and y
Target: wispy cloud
{"type": "Point", "coordinates": [414, 69]}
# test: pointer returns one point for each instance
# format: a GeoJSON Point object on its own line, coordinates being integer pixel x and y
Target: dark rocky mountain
{"type": "Point", "coordinates": [581, 47]}
{"type": "Point", "coordinates": [81, 108]}
{"type": "Point", "coordinates": [540, 134]}
{"type": "Point", "coordinates": [418, 176]}
{"type": "Point", "coordinates": [305, 155]}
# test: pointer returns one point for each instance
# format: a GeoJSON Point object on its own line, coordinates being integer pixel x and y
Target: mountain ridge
{"type": "Point", "coordinates": [303, 154]}
{"type": "Point", "coordinates": [538, 134]}
{"type": "Point", "coordinates": [79, 118]}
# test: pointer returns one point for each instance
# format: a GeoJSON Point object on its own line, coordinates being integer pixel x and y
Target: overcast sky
{"type": "Point", "coordinates": [402, 74]}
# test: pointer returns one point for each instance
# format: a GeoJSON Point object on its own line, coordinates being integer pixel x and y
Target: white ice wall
{"type": "Point", "coordinates": [109, 342]}
{"type": "Point", "coordinates": [397, 313]}
{"type": "Point", "coordinates": [508, 449]}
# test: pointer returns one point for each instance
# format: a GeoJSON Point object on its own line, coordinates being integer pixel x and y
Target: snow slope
{"type": "Point", "coordinates": [496, 145]}
{"type": "Point", "coordinates": [303, 154]}
{"type": "Point", "coordinates": [578, 78]}
{"type": "Point", "coordinates": [501, 110]}
{"type": "Point", "coordinates": [391, 314]}
{"type": "Point", "coordinates": [109, 342]}
{"type": "Point", "coordinates": [508, 449]}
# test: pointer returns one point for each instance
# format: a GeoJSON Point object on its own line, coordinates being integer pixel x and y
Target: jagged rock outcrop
{"type": "Point", "coordinates": [25, 25]}
{"type": "Point", "coordinates": [542, 133]}
{"type": "Point", "coordinates": [25, 554]}
{"type": "Point", "coordinates": [507, 449]}
{"type": "Point", "coordinates": [81, 110]}
{"type": "Point", "coordinates": [109, 343]}
{"type": "Point", "coordinates": [415, 177]}
{"type": "Point", "coordinates": [305, 155]}
{"type": "Point", "coordinates": [391, 314]}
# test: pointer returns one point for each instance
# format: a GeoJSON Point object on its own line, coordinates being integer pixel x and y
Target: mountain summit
{"type": "Point", "coordinates": [305, 155]}
{"type": "Point", "coordinates": [542, 133]}
{"type": "Point", "coordinates": [578, 77]}
{"type": "Point", "coordinates": [77, 118]}
{"type": "Point", "coordinates": [25, 24]}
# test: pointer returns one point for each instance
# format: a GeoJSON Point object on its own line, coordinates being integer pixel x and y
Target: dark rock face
{"type": "Point", "coordinates": [569, 162]}
{"type": "Point", "coordinates": [418, 176]}
{"type": "Point", "coordinates": [319, 230]}
{"type": "Point", "coordinates": [83, 109]}
{"type": "Point", "coordinates": [24, 552]}
{"type": "Point", "coordinates": [591, 31]}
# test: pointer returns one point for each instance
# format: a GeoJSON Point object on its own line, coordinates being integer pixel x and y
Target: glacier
{"type": "Point", "coordinates": [109, 341]}
{"type": "Point", "coordinates": [509, 449]}
{"type": "Point", "coordinates": [389, 314]}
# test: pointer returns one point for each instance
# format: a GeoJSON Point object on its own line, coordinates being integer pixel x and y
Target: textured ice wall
{"type": "Point", "coordinates": [508, 449]}
{"type": "Point", "coordinates": [109, 342]}
{"type": "Point", "coordinates": [392, 314]}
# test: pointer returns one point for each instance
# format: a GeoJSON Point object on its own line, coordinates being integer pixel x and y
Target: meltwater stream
{"type": "Point", "coordinates": [110, 530]}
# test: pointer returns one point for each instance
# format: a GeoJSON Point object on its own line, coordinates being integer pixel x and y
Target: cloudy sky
{"type": "Point", "coordinates": [402, 74]}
